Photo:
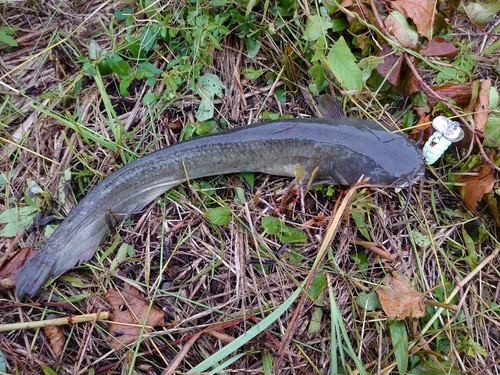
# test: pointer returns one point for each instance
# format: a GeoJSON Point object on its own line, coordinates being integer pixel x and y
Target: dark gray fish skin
{"type": "Point", "coordinates": [343, 149]}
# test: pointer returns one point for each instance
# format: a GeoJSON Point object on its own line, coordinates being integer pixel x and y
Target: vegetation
{"type": "Point", "coordinates": [251, 273]}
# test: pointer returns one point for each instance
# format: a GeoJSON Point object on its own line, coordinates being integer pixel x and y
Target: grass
{"type": "Point", "coordinates": [88, 87]}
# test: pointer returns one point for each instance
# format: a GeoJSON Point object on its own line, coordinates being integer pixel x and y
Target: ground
{"type": "Point", "coordinates": [213, 275]}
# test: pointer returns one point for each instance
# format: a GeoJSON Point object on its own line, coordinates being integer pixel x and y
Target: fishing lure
{"type": "Point", "coordinates": [447, 132]}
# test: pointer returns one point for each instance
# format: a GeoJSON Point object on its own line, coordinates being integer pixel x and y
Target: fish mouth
{"type": "Point", "coordinates": [409, 181]}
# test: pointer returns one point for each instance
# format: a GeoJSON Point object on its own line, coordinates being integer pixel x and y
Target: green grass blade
{"type": "Point", "coordinates": [242, 340]}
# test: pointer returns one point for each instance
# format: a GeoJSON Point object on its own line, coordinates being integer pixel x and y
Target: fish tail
{"type": "Point", "coordinates": [33, 275]}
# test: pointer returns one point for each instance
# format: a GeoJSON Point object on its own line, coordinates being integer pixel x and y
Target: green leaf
{"type": "Point", "coordinates": [249, 178]}
{"type": "Point", "coordinates": [271, 224]}
{"type": "Point", "coordinates": [361, 259]}
{"type": "Point", "coordinates": [118, 65]}
{"type": "Point", "coordinates": [408, 119]}
{"type": "Point", "coordinates": [251, 73]}
{"type": "Point", "coordinates": [7, 39]}
{"type": "Point", "coordinates": [419, 99]}
{"type": "Point", "coordinates": [431, 368]}
{"type": "Point", "coordinates": [401, 29]}
{"type": "Point", "coordinates": [368, 64]}
{"type": "Point", "coordinates": [205, 110]}
{"type": "Point", "coordinates": [95, 52]}
{"type": "Point", "coordinates": [315, 323]}
{"type": "Point", "coordinates": [285, 233]}
{"type": "Point", "coordinates": [253, 47]}
{"type": "Point", "coordinates": [47, 370]}
{"type": "Point", "coordinates": [339, 24]}
{"type": "Point", "coordinates": [208, 86]}
{"type": "Point", "coordinates": [148, 36]}
{"type": "Point", "coordinates": [399, 338]}
{"type": "Point", "coordinates": [359, 219]}
{"type": "Point", "coordinates": [368, 301]}
{"type": "Point", "coordinates": [292, 235]}
{"type": "Point", "coordinates": [482, 13]}
{"type": "Point", "coordinates": [77, 282]}
{"type": "Point", "coordinates": [147, 70]}
{"type": "Point", "coordinates": [3, 365]}
{"type": "Point", "coordinates": [239, 195]}
{"type": "Point", "coordinates": [449, 74]}
{"type": "Point", "coordinates": [319, 50]}
{"type": "Point", "coordinates": [124, 84]}
{"type": "Point", "coordinates": [492, 130]}
{"type": "Point", "coordinates": [420, 239]}
{"type": "Point", "coordinates": [122, 15]}
{"type": "Point", "coordinates": [17, 219]}
{"type": "Point", "coordinates": [318, 81]}
{"type": "Point", "coordinates": [5, 35]}
{"type": "Point", "coordinates": [317, 286]}
{"type": "Point", "coordinates": [149, 98]}
{"type": "Point", "coordinates": [342, 63]}
{"type": "Point", "coordinates": [219, 216]}
{"type": "Point", "coordinates": [494, 98]}
{"type": "Point", "coordinates": [124, 251]}
{"type": "Point", "coordinates": [316, 26]}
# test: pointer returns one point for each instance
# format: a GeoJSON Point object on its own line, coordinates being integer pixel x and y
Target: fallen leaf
{"type": "Point", "coordinates": [55, 335]}
{"type": "Point", "coordinates": [130, 314]}
{"type": "Point", "coordinates": [390, 68]}
{"type": "Point", "coordinates": [481, 108]}
{"type": "Point", "coordinates": [397, 25]}
{"type": "Point", "coordinates": [482, 13]}
{"type": "Point", "coordinates": [461, 94]}
{"type": "Point", "coordinates": [440, 47]}
{"type": "Point", "coordinates": [399, 299]}
{"type": "Point", "coordinates": [420, 11]}
{"type": "Point", "coordinates": [477, 186]}
{"type": "Point", "coordinates": [9, 269]}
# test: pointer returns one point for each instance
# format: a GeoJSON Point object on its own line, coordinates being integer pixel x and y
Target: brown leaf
{"type": "Point", "coordinates": [391, 67]}
{"type": "Point", "coordinates": [420, 11]}
{"type": "Point", "coordinates": [481, 108]}
{"type": "Point", "coordinates": [460, 93]}
{"type": "Point", "coordinates": [476, 186]}
{"type": "Point", "coordinates": [9, 269]}
{"type": "Point", "coordinates": [411, 82]}
{"type": "Point", "coordinates": [55, 335]}
{"type": "Point", "coordinates": [399, 299]}
{"type": "Point", "coordinates": [130, 313]}
{"type": "Point", "coordinates": [440, 47]}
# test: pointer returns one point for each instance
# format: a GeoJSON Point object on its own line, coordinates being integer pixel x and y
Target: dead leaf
{"type": "Point", "coordinates": [482, 103]}
{"type": "Point", "coordinates": [460, 93]}
{"type": "Point", "coordinates": [9, 269]}
{"type": "Point", "coordinates": [411, 83]}
{"type": "Point", "coordinates": [399, 299]}
{"type": "Point", "coordinates": [420, 11]}
{"type": "Point", "coordinates": [55, 335]}
{"type": "Point", "coordinates": [440, 47]}
{"type": "Point", "coordinates": [391, 67]}
{"type": "Point", "coordinates": [398, 25]}
{"type": "Point", "coordinates": [130, 313]}
{"type": "Point", "coordinates": [476, 186]}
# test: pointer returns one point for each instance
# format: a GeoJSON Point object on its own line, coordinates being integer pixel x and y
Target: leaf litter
{"type": "Point", "coordinates": [208, 279]}
{"type": "Point", "coordinates": [132, 316]}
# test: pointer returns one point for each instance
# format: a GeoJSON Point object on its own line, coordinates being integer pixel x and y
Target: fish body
{"type": "Point", "coordinates": [342, 149]}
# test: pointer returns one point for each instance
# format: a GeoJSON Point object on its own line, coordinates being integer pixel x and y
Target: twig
{"type": "Point", "coordinates": [73, 319]}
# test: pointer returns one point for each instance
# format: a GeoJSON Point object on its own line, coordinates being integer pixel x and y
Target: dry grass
{"type": "Point", "coordinates": [200, 274]}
